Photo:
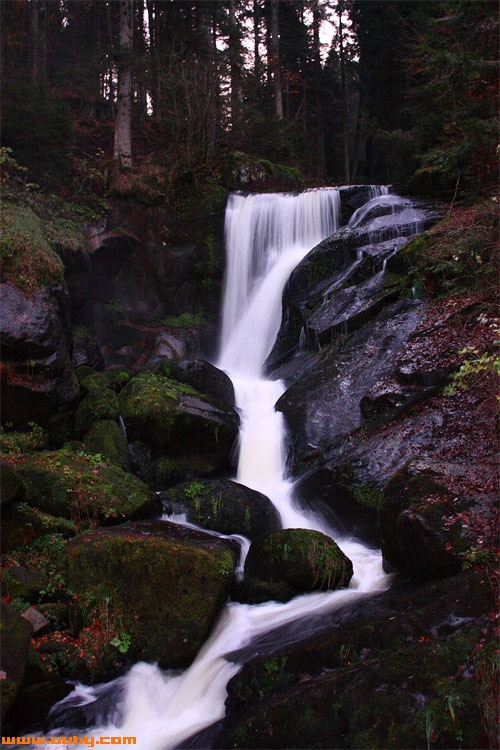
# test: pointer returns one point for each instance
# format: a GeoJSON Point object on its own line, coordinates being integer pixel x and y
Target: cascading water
{"type": "Point", "coordinates": [266, 236]}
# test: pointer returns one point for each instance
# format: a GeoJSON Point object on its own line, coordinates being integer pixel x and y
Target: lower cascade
{"type": "Point", "coordinates": [266, 237]}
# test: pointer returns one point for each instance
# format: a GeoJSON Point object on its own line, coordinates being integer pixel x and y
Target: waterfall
{"type": "Point", "coordinates": [266, 236]}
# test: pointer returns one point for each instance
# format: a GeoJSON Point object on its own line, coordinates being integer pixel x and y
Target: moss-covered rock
{"type": "Point", "coordinates": [302, 559]}
{"type": "Point", "coordinates": [148, 591]}
{"type": "Point", "coordinates": [16, 640]}
{"type": "Point", "coordinates": [22, 524]}
{"type": "Point", "coordinates": [419, 533]}
{"type": "Point", "coordinates": [84, 488]}
{"type": "Point", "coordinates": [11, 485]}
{"type": "Point", "coordinates": [99, 404]}
{"type": "Point", "coordinates": [107, 439]}
{"type": "Point", "coordinates": [223, 505]}
{"type": "Point", "coordinates": [172, 416]}
{"type": "Point", "coordinates": [28, 260]}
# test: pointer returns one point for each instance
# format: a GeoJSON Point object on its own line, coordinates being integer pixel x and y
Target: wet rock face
{"type": "Point", "coordinates": [323, 406]}
{"type": "Point", "coordinates": [381, 667]}
{"type": "Point", "coordinates": [37, 373]}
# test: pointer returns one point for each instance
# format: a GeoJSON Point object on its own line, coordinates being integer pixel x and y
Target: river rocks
{"type": "Point", "coordinates": [173, 417]}
{"type": "Point", "coordinates": [298, 560]}
{"type": "Point", "coordinates": [16, 641]}
{"type": "Point", "coordinates": [151, 591]}
{"type": "Point", "coordinates": [224, 506]}
{"type": "Point", "coordinates": [84, 489]}
{"type": "Point", "coordinates": [372, 675]}
{"type": "Point", "coordinates": [37, 372]}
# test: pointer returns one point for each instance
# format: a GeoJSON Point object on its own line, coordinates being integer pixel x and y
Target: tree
{"type": "Point", "coordinates": [123, 117]}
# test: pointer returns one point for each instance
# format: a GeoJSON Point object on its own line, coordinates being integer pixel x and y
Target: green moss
{"type": "Point", "coordinates": [28, 261]}
{"type": "Point", "coordinates": [84, 488]}
{"type": "Point", "coordinates": [106, 438]}
{"type": "Point", "coordinates": [117, 581]}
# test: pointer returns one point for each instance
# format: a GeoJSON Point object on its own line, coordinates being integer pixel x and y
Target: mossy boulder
{"type": "Point", "coordinates": [11, 485]}
{"type": "Point", "coordinates": [84, 489]}
{"type": "Point", "coordinates": [107, 439]}
{"type": "Point", "coordinates": [224, 506]}
{"type": "Point", "coordinates": [421, 531]}
{"type": "Point", "coordinates": [205, 378]}
{"type": "Point", "coordinates": [168, 415]}
{"type": "Point", "coordinates": [148, 591]}
{"type": "Point", "coordinates": [100, 403]}
{"type": "Point", "coordinates": [16, 641]}
{"type": "Point", "coordinates": [21, 524]}
{"type": "Point", "coordinates": [302, 559]}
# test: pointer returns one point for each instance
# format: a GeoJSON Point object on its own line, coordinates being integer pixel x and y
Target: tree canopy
{"type": "Point", "coordinates": [345, 90]}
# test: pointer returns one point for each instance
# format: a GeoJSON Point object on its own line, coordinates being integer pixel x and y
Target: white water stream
{"type": "Point", "coordinates": [266, 236]}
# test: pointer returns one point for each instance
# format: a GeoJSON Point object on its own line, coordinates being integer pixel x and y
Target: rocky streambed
{"type": "Point", "coordinates": [102, 579]}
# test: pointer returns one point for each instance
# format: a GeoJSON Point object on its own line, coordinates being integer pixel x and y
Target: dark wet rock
{"type": "Point", "coordinates": [420, 523]}
{"type": "Point", "coordinates": [37, 373]}
{"type": "Point", "coordinates": [107, 439]}
{"type": "Point", "coordinates": [77, 487]}
{"type": "Point", "coordinates": [33, 703]}
{"type": "Point", "coordinates": [205, 378]}
{"type": "Point", "coordinates": [323, 406]}
{"type": "Point", "coordinates": [350, 308]}
{"type": "Point", "coordinates": [224, 506]}
{"type": "Point", "coordinates": [334, 494]}
{"type": "Point", "coordinates": [11, 485]}
{"type": "Point", "coordinates": [383, 665]}
{"type": "Point", "coordinates": [172, 416]}
{"type": "Point", "coordinates": [22, 583]}
{"type": "Point", "coordinates": [16, 641]}
{"type": "Point", "coordinates": [162, 585]}
{"type": "Point", "coordinates": [85, 350]}
{"type": "Point", "coordinates": [303, 560]}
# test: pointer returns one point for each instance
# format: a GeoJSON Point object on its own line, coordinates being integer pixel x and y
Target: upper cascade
{"type": "Point", "coordinates": [266, 235]}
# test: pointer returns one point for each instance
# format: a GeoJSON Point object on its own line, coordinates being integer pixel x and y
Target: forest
{"type": "Point", "coordinates": [396, 87]}
{"type": "Point", "coordinates": [250, 373]}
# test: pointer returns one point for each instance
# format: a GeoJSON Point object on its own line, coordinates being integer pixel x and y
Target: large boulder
{"type": "Point", "coordinates": [205, 378]}
{"type": "Point", "coordinates": [85, 489]}
{"type": "Point", "coordinates": [298, 560]}
{"type": "Point", "coordinates": [224, 506]}
{"type": "Point", "coordinates": [175, 418]}
{"type": "Point", "coordinates": [37, 373]}
{"type": "Point", "coordinates": [148, 591]}
{"type": "Point", "coordinates": [107, 438]}
{"type": "Point", "coordinates": [420, 522]}
{"type": "Point", "coordinates": [16, 641]}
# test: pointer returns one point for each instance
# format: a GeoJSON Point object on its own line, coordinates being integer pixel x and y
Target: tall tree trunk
{"type": "Point", "coordinates": [275, 60]}
{"type": "Point", "coordinates": [123, 117]}
{"type": "Point", "coordinates": [343, 87]}
{"type": "Point", "coordinates": [37, 41]}
{"type": "Point", "coordinates": [320, 157]}
{"type": "Point", "coordinates": [236, 65]}
{"type": "Point", "coordinates": [257, 64]}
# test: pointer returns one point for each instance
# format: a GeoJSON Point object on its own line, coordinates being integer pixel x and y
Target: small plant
{"type": "Point", "coordinates": [122, 642]}
{"type": "Point", "coordinates": [475, 365]}
{"type": "Point", "coordinates": [194, 490]}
